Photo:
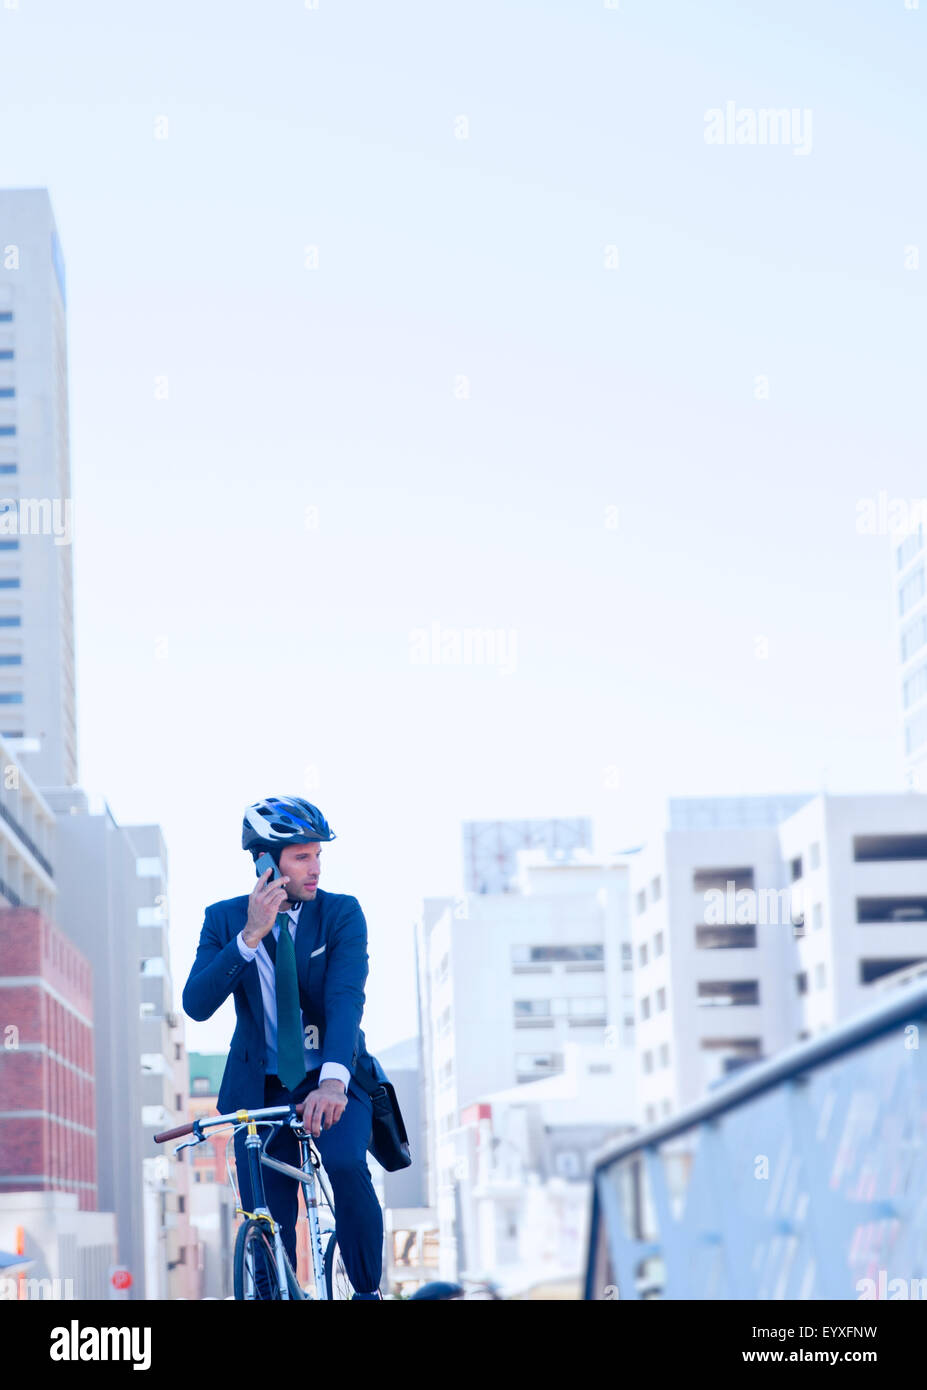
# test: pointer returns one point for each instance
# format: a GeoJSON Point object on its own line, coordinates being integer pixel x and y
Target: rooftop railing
{"type": "Point", "coordinates": [802, 1177]}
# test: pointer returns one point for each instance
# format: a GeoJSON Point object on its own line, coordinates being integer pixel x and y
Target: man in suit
{"type": "Point", "coordinates": [297, 1033]}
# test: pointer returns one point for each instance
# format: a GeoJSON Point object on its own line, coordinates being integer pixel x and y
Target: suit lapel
{"type": "Point", "coordinates": [308, 935]}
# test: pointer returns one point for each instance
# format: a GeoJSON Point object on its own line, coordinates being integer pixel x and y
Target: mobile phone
{"type": "Point", "coordinates": [265, 861]}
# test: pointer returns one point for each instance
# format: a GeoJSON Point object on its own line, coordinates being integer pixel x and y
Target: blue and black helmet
{"type": "Point", "coordinates": [282, 820]}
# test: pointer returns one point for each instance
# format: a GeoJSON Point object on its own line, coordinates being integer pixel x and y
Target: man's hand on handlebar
{"type": "Point", "coordinates": [265, 901]}
{"type": "Point", "coordinates": [324, 1107]}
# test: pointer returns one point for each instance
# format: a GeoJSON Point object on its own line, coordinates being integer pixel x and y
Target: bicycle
{"type": "Point", "coordinates": [260, 1256]}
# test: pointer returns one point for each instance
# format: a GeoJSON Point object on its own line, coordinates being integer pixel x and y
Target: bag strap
{"type": "Point", "coordinates": [365, 1082]}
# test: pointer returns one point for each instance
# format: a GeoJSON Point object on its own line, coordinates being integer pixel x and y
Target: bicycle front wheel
{"type": "Point", "coordinates": [337, 1283]}
{"type": "Point", "coordinates": [255, 1265]}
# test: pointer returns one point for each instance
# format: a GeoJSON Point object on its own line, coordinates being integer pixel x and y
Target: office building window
{"type": "Point", "coordinates": [10, 659]}
{"type": "Point", "coordinates": [642, 954]}
{"type": "Point", "coordinates": [883, 849]}
{"type": "Point", "coordinates": [661, 999]}
{"type": "Point", "coordinates": [7, 430]}
{"type": "Point", "coordinates": [795, 868]}
{"type": "Point", "coordinates": [11, 621]}
{"type": "Point", "coordinates": [909, 547]}
{"type": "Point", "coordinates": [911, 591]}
{"type": "Point", "coordinates": [9, 583]}
{"type": "Point", "coordinates": [658, 944]}
{"type": "Point", "coordinates": [870, 970]}
{"type": "Point", "coordinates": [647, 1061]}
{"type": "Point", "coordinates": [531, 954]}
{"type": "Point", "coordinates": [6, 315]}
{"type": "Point", "coordinates": [8, 467]}
{"type": "Point", "coordinates": [645, 1007]}
{"type": "Point", "coordinates": [913, 636]}
{"type": "Point", "coordinates": [713, 880]}
{"type": "Point", "coordinates": [656, 889]}
{"type": "Point", "coordinates": [6, 392]}
{"type": "Point", "coordinates": [6, 354]}
{"type": "Point", "coordinates": [914, 687]}
{"type": "Point", "coordinates": [664, 1054]}
{"type": "Point", "coordinates": [727, 993]}
{"type": "Point", "coordinates": [9, 545]}
{"type": "Point", "coordinates": [724, 938]}
{"type": "Point", "coordinates": [11, 697]}
{"type": "Point", "coordinates": [641, 902]}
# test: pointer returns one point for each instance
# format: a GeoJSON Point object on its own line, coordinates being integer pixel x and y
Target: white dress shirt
{"type": "Point", "coordinates": [269, 996]}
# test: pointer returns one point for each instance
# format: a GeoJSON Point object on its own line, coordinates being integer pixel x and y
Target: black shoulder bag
{"type": "Point", "coordinates": [389, 1142]}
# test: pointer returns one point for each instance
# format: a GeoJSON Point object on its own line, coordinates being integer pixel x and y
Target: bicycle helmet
{"type": "Point", "coordinates": [282, 820]}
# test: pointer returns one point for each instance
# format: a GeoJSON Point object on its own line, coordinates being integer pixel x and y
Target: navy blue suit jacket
{"type": "Point", "coordinates": [331, 965]}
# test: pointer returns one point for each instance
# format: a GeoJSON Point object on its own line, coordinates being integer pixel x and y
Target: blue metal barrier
{"type": "Point", "coordinates": [804, 1177]}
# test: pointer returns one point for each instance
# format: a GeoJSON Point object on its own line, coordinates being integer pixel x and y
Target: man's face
{"type": "Point", "coordinates": [301, 863]}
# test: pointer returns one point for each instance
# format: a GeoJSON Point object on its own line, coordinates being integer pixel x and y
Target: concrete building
{"type": "Point", "coordinates": [759, 921]}
{"type": "Point", "coordinates": [170, 1240]}
{"type": "Point", "coordinates": [71, 1252]}
{"type": "Point", "coordinates": [37, 682]}
{"type": "Point", "coordinates": [506, 980]}
{"type": "Point", "coordinates": [525, 1190]}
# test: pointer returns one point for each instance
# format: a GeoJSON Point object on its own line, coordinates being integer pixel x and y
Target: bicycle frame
{"type": "Point", "coordinates": [308, 1175]}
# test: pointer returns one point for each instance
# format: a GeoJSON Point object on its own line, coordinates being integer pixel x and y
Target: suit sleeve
{"type": "Point", "coordinates": [345, 977]}
{"type": "Point", "coordinates": [215, 971]}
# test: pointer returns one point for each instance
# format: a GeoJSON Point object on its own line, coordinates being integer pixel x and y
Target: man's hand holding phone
{"type": "Point", "coordinates": [266, 900]}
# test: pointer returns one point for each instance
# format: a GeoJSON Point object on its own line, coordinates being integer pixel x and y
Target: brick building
{"type": "Point", "coordinates": [47, 1118]}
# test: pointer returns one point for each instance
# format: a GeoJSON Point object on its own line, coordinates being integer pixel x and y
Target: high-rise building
{"type": "Point", "coordinates": [37, 683]}
{"type": "Point", "coordinates": [750, 937]}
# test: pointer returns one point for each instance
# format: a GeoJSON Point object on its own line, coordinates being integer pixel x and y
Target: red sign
{"type": "Point", "coordinates": [121, 1278]}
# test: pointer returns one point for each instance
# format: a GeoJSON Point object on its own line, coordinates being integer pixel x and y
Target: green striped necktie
{"type": "Point", "coordinates": [291, 1056]}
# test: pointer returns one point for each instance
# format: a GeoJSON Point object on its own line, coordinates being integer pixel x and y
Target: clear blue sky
{"type": "Point", "coordinates": [287, 648]}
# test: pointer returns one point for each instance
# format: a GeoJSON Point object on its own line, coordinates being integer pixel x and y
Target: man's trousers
{"type": "Point", "coordinates": [343, 1150]}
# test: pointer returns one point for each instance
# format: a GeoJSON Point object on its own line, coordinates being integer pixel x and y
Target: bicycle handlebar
{"type": "Point", "coordinates": [238, 1116]}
